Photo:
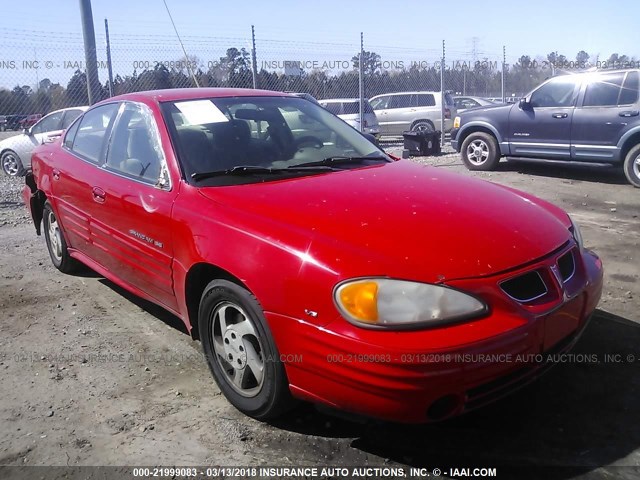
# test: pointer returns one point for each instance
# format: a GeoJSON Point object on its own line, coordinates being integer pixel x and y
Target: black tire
{"type": "Point", "coordinates": [423, 126]}
{"type": "Point", "coordinates": [11, 164]}
{"type": "Point", "coordinates": [480, 151]}
{"type": "Point", "coordinates": [632, 166]}
{"type": "Point", "coordinates": [234, 354]}
{"type": "Point", "coordinates": [56, 244]}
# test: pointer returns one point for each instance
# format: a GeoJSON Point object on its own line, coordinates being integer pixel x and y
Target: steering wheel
{"type": "Point", "coordinates": [309, 140]}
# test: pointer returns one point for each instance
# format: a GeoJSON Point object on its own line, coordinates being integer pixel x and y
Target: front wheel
{"type": "Point", "coordinates": [423, 126]}
{"type": "Point", "coordinates": [240, 351]}
{"type": "Point", "coordinates": [56, 243]}
{"type": "Point", "coordinates": [632, 166]}
{"type": "Point", "coordinates": [480, 151]}
{"type": "Point", "coordinates": [11, 164]}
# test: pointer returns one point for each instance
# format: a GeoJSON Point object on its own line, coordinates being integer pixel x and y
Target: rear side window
{"type": "Point", "coordinates": [400, 101]}
{"type": "Point", "coordinates": [350, 108]}
{"type": "Point", "coordinates": [333, 108]}
{"type": "Point", "coordinates": [92, 132]}
{"type": "Point", "coordinates": [70, 135]}
{"type": "Point", "coordinates": [604, 91]}
{"type": "Point", "coordinates": [426, 100]}
{"type": "Point", "coordinates": [630, 89]}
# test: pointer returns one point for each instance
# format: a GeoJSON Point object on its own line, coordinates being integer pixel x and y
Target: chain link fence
{"type": "Point", "coordinates": [44, 71]}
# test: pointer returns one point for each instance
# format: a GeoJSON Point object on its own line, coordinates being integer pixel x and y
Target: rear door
{"type": "Point", "coordinates": [543, 128]}
{"type": "Point", "coordinates": [608, 104]}
{"type": "Point", "coordinates": [73, 171]}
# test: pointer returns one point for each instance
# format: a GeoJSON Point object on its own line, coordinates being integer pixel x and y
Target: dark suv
{"type": "Point", "coordinates": [586, 117]}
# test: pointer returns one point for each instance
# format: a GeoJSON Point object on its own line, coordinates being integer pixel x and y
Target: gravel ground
{"type": "Point", "coordinates": [91, 375]}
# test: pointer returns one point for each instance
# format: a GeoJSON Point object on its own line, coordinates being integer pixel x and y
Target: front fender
{"type": "Point", "coordinates": [467, 128]}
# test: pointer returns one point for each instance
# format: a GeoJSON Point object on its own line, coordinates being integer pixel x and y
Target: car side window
{"type": "Point", "coordinates": [135, 149]}
{"type": "Point", "coordinates": [49, 123]}
{"type": "Point", "coordinates": [629, 94]}
{"type": "Point", "coordinates": [69, 117]}
{"type": "Point", "coordinates": [426, 100]}
{"type": "Point", "coordinates": [380, 103]}
{"type": "Point", "coordinates": [604, 90]}
{"type": "Point", "coordinates": [89, 140]}
{"type": "Point", "coordinates": [558, 92]}
{"type": "Point", "coordinates": [400, 101]}
{"type": "Point", "coordinates": [333, 107]}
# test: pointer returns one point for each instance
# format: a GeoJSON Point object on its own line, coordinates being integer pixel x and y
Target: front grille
{"type": "Point", "coordinates": [567, 266]}
{"type": "Point", "coordinates": [525, 288]}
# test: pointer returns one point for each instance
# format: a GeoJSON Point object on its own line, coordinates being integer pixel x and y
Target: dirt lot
{"type": "Point", "coordinates": [93, 376]}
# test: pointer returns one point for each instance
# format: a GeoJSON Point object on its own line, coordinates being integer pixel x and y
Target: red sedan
{"type": "Point", "coordinates": [309, 263]}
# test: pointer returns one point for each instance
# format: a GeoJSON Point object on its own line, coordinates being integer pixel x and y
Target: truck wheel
{"type": "Point", "coordinates": [480, 151]}
{"type": "Point", "coordinates": [240, 351]}
{"type": "Point", "coordinates": [632, 166]}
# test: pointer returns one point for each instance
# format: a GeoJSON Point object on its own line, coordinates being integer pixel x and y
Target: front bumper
{"type": "Point", "coordinates": [454, 141]}
{"type": "Point", "coordinates": [423, 376]}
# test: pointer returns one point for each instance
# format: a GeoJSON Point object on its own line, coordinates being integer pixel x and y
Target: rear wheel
{"type": "Point", "coordinates": [11, 164]}
{"type": "Point", "coordinates": [480, 151]}
{"type": "Point", "coordinates": [422, 126]}
{"type": "Point", "coordinates": [56, 243]}
{"type": "Point", "coordinates": [240, 351]}
{"type": "Point", "coordinates": [632, 166]}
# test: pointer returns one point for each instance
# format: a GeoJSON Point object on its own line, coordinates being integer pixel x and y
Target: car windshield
{"type": "Point", "coordinates": [250, 138]}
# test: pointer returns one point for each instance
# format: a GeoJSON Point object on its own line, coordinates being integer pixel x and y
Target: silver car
{"type": "Point", "coordinates": [15, 152]}
{"type": "Point", "coordinates": [348, 109]}
{"type": "Point", "coordinates": [417, 111]}
{"type": "Point", "coordinates": [465, 102]}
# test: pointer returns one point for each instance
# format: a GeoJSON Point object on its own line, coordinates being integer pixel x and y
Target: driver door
{"type": "Point", "coordinates": [542, 126]}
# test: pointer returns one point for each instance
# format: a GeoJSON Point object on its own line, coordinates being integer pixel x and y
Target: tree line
{"type": "Point", "coordinates": [481, 78]}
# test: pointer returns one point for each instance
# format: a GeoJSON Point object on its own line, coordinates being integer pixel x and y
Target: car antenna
{"type": "Point", "coordinates": [186, 58]}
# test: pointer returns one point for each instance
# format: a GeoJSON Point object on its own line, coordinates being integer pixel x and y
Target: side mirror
{"type": "Point", "coordinates": [26, 131]}
{"type": "Point", "coordinates": [525, 103]}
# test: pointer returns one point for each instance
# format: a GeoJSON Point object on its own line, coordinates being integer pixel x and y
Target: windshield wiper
{"type": "Point", "coordinates": [248, 170]}
{"type": "Point", "coordinates": [340, 160]}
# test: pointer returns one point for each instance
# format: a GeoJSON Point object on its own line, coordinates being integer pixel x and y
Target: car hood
{"type": "Point", "coordinates": [400, 219]}
{"type": "Point", "coordinates": [483, 108]}
{"type": "Point", "coordinates": [16, 141]}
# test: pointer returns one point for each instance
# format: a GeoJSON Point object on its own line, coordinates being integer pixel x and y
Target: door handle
{"type": "Point", "coordinates": [56, 174]}
{"type": "Point", "coordinates": [98, 194]}
{"type": "Point", "coordinates": [559, 115]}
{"type": "Point", "coordinates": [629, 113]}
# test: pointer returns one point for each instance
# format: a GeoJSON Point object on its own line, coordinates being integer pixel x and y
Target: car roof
{"type": "Point", "coordinates": [337, 100]}
{"type": "Point", "coordinates": [407, 93]}
{"type": "Point", "coordinates": [173, 94]}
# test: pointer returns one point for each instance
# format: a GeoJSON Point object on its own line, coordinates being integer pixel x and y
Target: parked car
{"type": "Point", "coordinates": [417, 111]}
{"type": "Point", "coordinates": [30, 120]}
{"type": "Point", "coordinates": [348, 109]}
{"type": "Point", "coordinates": [586, 117]}
{"type": "Point", "coordinates": [306, 96]}
{"type": "Point", "coordinates": [324, 271]}
{"type": "Point", "coordinates": [464, 103]}
{"type": "Point", "coordinates": [14, 122]}
{"type": "Point", "coordinates": [15, 152]}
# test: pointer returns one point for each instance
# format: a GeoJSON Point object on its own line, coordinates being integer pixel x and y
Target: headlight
{"type": "Point", "coordinates": [456, 122]}
{"type": "Point", "coordinates": [383, 302]}
{"type": "Point", "coordinates": [575, 231]}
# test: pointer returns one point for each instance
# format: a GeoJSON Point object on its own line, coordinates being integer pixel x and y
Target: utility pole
{"type": "Point", "coordinates": [254, 64]}
{"type": "Point", "coordinates": [91, 60]}
{"type": "Point", "coordinates": [504, 64]}
{"type": "Point", "coordinates": [110, 68]}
